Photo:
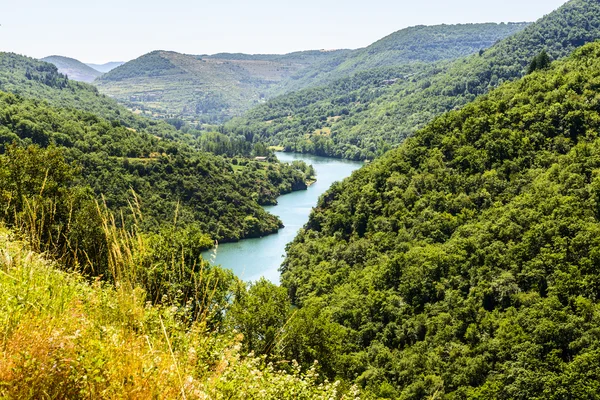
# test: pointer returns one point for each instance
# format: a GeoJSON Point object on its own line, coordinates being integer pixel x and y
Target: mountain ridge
{"type": "Point", "coordinates": [74, 69]}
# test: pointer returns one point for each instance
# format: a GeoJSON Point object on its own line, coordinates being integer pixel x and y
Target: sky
{"type": "Point", "coordinates": [121, 30]}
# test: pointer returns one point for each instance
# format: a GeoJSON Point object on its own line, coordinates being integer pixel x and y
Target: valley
{"type": "Point", "coordinates": [415, 219]}
{"type": "Point", "coordinates": [253, 259]}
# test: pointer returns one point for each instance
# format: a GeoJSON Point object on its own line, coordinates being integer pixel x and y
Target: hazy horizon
{"type": "Point", "coordinates": [113, 31]}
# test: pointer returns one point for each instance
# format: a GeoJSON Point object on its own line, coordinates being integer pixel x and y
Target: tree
{"type": "Point", "coordinates": [541, 61]}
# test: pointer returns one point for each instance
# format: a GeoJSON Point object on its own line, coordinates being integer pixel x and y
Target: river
{"type": "Point", "coordinates": [251, 259]}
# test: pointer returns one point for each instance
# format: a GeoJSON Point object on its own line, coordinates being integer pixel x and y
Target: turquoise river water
{"type": "Point", "coordinates": [251, 259]}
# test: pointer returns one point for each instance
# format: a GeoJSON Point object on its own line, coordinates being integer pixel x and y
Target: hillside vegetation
{"type": "Point", "coordinates": [464, 263]}
{"type": "Point", "coordinates": [420, 44]}
{"type": "Point", "coordinates": [364, 121]}
{"type": "Point", "coordinates": [201, 88]}
{"type": "Point", "coordinates": [34, 79]}
{"type": "Point", "coordinates": [74, 69]}
{"type": "Point", "coordinates": [217, 87]}
{"type": "Point", "coordinates": [64, 337]}
{"type": "Point", "coordinates": [127, 160]}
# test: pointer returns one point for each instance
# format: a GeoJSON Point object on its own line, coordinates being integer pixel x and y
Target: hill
{"type": "Point", "coordinates": [118, 152]}
{"type": "Point", "coordinates": [200, 88]}
{"type": "Point", "coordinates": [74, 69]}
{"type": "Point", "coordinates": [464, 263]}
{"type": "Point", "coordinates": [217, 87]}
{"type": "Point", "coordinates": [420, 44]}
{"type": "Point", "coordinates": [364, 121]}
{"type": "Point", "coordinates": [40, 80]}
{"type": "Point", "coordinates": [107, 67]}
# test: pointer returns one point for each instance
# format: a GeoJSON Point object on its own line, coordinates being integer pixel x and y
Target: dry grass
{"type": "Point", "coordinates": [65, 338]}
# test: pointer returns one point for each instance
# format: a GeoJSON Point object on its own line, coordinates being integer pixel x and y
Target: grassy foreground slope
{"type": "Point", "coordinates": [364, 122]}
{"type": "Point", "coordinates": [464, 264]}
{"type": "Point", "coordinates": [63, 337]}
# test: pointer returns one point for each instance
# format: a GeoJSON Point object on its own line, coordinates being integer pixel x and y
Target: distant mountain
{"type": "Point", "coordinates": [104, 68]}
{"type": "Point", "coordinates": [201, 87]}
{"type": "Point", "coordinates": [414, 44]}
{"type": "Point", "coordinates": [214, 88]}
{"type": "Point", "coordinates": [74, 69]}
{"type": "Point", "coordinates": [367, 113]}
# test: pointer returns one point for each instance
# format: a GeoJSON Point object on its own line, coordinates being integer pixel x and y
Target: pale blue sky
{"type": "Point", "coordinates": [111, 30]}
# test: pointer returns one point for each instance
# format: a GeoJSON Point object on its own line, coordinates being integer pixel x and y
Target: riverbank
{"type": "Point", "coordinates": [251, 259]}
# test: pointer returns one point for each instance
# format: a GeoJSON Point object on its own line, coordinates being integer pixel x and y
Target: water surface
{"type": "Point", "coordinates": [251, 259]}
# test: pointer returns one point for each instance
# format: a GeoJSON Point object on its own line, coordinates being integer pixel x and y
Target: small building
{"type": "Point", "coordinates": [261, 159]}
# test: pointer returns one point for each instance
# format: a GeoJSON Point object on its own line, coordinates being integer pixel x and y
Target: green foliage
{"type": "Point", "coordinates": [167, 176]}
{"type": "Point", "coordinates": [215, 88]}
{"type": "Point", "coordinates": [39, 197]}
{"type": "Point", "coordinates": [541, 61]}
{"type": "Point", "coordinates": [63, 337]}
{"type": "Point", "coordinates": [417, 44]}
{"type": "Point", "coordinates": [260, 313]}
{"type": "Point", "coordinates": [464, 263]}
{"type": "Point", "coordinates": [34, 79]}
{"type": "Point", "coordinates": [367, 120]}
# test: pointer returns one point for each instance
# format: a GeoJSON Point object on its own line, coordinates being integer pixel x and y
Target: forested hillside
{"type": "Point", "coordinates": [420, 44]}
{"type": "Point", "coordinates": [168, 177]}
{"type": "Point", "coordinates": [120, 154]}
{"type": "Point", "coordinates": [213, 88]}
{"type": "Point", "coordinates": [36, 79]}
{"type": "Point", "coordinates": [74, 69]}
{"type": "Point", "coordinates": [361, 123]}
{"type": "Point", "coordinates": [464, 264]}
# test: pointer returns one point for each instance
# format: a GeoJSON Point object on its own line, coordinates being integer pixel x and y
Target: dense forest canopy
{"type": "Point", "coordinates": [361, 123]}
{"type": "Point", "coordinates": [464, 264]}
{"type": "Point", "coordinates": [209, 184]}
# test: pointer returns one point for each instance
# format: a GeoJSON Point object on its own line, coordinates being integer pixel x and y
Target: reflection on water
{"type": "Point", "coordinates": [252, 258]}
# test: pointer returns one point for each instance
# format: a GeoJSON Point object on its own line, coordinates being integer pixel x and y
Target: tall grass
{"type": "Point", "coordinates": [64, 337]}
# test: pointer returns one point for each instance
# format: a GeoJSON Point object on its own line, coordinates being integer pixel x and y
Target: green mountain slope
{"type": "Point", "coordinates": [464, 264]}
{"type": "Point", "coordinates": [36, 79]}
{"type": "Point", "coordinates": [118, 151]}
{"type": "Point", "coordinates": [200, 88]}
{"type": "Point", "coordinates": [218, 87]}
{"type": "Point", "coordinates": [363, 122]}
{"type": "Point", "coordinates": [163, 173]}
{"type": "Point", "coordinates": [74, 69]}
{"type": "Point", "coordinates": [414, 44]}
